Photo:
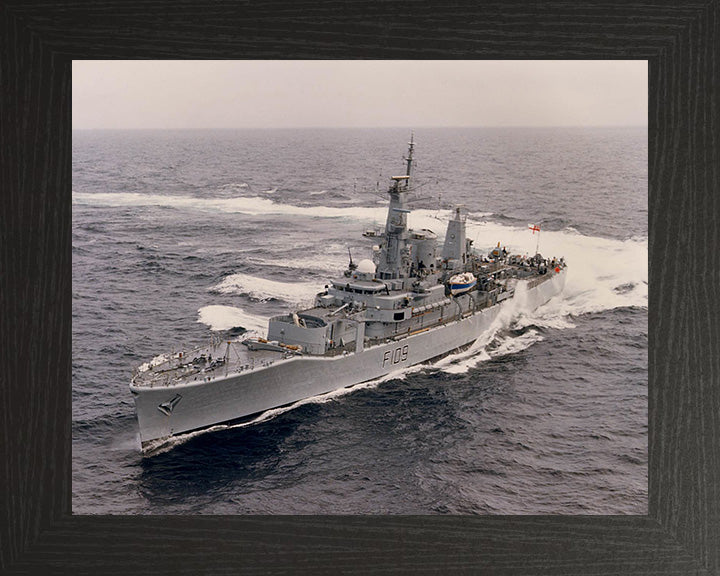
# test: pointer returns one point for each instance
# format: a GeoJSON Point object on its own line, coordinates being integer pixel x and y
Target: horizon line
{"type": "Point", "coordinates": [363, 127]}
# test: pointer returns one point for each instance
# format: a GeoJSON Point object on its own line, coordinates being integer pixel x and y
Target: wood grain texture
{"type": "Point", "coordinates": [38, 534]}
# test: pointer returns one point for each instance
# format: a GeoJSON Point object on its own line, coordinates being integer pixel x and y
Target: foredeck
{"type": "Point", "coordinates": [204, 364]}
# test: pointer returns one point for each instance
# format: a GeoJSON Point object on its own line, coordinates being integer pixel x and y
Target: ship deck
{"type": "Point", "coordinates": [205, 364]}
{"type": "Point", "coordinates": [224, 358]}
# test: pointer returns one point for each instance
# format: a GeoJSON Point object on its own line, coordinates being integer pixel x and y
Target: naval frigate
{"type": "Point", "coordinates": [410, 303]}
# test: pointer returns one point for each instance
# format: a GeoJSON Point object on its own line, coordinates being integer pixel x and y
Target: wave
{"type": "Point", "coordinates": [603, 273]}
{"type": "Point", "coordinates": [478, 351]}
{"type": "Point", "coordinates": [489, 346]}
{"type": "Point", "coordinates": [263, 290]}
{"type": "Point", "coordinates": [219, 317]}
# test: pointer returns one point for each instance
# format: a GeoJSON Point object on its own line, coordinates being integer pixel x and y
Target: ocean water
{"type": "Point", "coordinates": [178, 235]}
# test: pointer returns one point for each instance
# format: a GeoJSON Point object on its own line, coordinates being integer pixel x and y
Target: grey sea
{"type": "Point", "coordinates": [179, 236]}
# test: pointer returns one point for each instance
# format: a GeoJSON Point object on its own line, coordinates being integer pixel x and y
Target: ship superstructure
{"type": "Point", "coordinates": [409, 303]}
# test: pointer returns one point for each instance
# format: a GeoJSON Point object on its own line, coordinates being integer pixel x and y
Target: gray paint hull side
{"type": "Point", "coordinates": [287, 381]}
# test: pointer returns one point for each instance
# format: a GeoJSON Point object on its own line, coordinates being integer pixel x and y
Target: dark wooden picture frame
{"type": "Point", "coordinates": [38, 533]}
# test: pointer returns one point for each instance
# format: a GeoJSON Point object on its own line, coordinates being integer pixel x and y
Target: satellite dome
{"type": "Point", "coordinates": [366, 267]}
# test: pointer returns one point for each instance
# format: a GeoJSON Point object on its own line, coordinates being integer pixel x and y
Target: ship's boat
{"type": "Point", "coordinates": [409, 303]}
{"type": "Point", "coordinates": [462, 283]}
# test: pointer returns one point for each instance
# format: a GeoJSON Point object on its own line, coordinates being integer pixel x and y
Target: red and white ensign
{"type": "Point", "coordinates": [534, 228]}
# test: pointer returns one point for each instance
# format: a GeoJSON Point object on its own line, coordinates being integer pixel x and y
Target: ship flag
{"type": "Point", "coordinates": [536, 228]}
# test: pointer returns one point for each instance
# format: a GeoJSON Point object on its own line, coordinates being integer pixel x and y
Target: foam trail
{"type": "Point", "coordinates": [226, 317]}
{"type": "Point", "coordinates": [513, 345]}
{"type": "Point", "coordinates": [461, 363]}
{"type": "Point", "coordinates": [263, 289]}
{"type": "Point", "coordinates": [258, 206]}
{"type": "Point", "coordinates": [251, 205]}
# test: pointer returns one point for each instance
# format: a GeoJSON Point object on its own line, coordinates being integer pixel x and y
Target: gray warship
{"type": "Point", "coordinates": [411, 303]}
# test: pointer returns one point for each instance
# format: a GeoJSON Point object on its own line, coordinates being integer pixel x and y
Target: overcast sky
{"type": "Point", "coordinates": [367, 93]}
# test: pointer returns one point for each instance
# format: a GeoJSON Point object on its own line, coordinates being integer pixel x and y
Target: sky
{"type": "Point", "coordinates": [360, 93]}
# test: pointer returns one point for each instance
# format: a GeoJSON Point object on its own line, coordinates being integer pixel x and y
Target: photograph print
{"type": "Point", "coordinates": [360, 287]}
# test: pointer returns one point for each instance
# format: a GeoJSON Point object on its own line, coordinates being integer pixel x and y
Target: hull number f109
{"type": "Point", "coordinates": [395, 356]}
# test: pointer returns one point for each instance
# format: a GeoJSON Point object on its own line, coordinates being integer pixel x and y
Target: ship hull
{"type": "Point", "coordinates": [164, 411]}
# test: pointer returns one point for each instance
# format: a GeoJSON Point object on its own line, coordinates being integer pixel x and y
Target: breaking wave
{"type": "Point", "coordinates": [603, 274]}
{"type": "Point", "coordinates": [227, 317]}
{"type": "Point", "coordinates": [263, 290]}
